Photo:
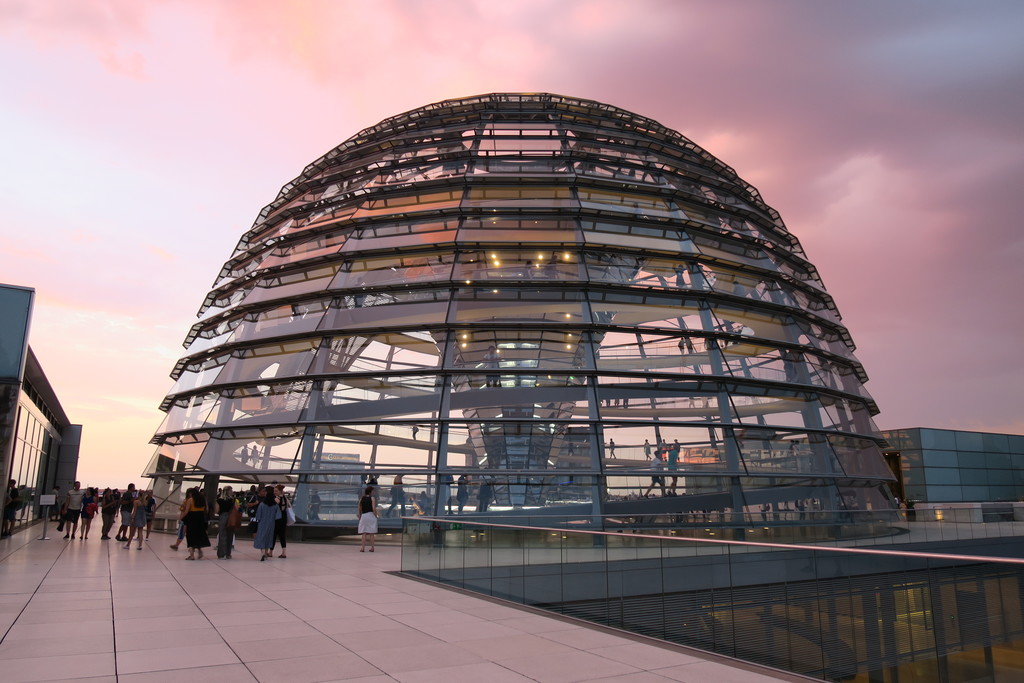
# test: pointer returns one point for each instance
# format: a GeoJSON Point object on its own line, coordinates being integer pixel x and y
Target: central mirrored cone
{"type": "Point", "coordinates": [525, 304]}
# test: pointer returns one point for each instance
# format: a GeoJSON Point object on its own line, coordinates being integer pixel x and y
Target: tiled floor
{"type": "Point", "coordinates": [89, 610]}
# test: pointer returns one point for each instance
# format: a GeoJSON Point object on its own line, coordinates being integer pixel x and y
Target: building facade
{"type": "Point", "coordinates": [951, 466]}
{"type": "Point", "coordinates": [38, 444]}
{"type": "Point", "coordinates": [523, 302]}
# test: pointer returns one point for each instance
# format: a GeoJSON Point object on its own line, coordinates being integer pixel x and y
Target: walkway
{"type": "Point", "coordinates": [90, 610]}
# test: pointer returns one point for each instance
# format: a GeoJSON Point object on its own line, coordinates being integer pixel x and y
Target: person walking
{"type": "Point", "coordinates": [137, 520]}
{"type": "Point", "coordinates": [182, 511]}
{"type": "Point", "coordinates": [368, 519]}
{"type": "Point", "coordinates": [267, 513]}
{"type": "Point", "coordinates": [673, 465]}
{"type": "Point", "coordinates": [484, 496]}
{"type": "Point", "coordinates": [281, 523]}
{"type": "Point", "coordinates": [196, 537]}
{"type": "Point", "coordinates": [252, 500]}
{"type": "Point", "coordinates": [150, 512]}
{"type": "Point", "coordinates": [227, 506]}
{"type": "Point", "coordinates": [126, 508]}
{"type": "Point", "coordinates": [491, 363]}
{"type": "Point", "coordinates": [90, 506]}
{"type": "Point", "coordinates": [108, 512]}
{"type": "Point", "coordinates": [58, 505]}
{"type": "Point", "coordinates": [462, 491]}
{"type": "Point", "coordinates": [657, 478]}
{"type": "Point", "coordinates": [73, 510]}
{"type": "Point", "coordinates": [397, 496]}
{"type": "Point", "coordinates": [12, 503]}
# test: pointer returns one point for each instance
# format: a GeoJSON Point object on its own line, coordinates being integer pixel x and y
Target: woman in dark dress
{"type": "Point", "coordinates": [281, 524]}
{"type": "Point", "coordinates": [226, 536]}
{"type": "Point", "coordinates": [195, 519]}
{"type": "Point", "coordinates": [108, 509]}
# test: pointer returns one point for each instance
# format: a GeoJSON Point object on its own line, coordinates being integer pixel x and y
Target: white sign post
{"type": "Point", "coordinates": [45, 502]}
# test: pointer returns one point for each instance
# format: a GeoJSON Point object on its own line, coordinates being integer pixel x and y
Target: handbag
{"type": "Point", "coordinates": [235, 518]}
{"type": "Point", "coordinates": [291, 516]}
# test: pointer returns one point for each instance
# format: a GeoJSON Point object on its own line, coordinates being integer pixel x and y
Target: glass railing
{"type": "Point", "coordinates": [837, 613]}
{"type": "Point", "coordinates": [840, 528]}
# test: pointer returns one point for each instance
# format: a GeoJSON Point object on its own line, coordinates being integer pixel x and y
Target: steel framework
{"type": "Point", "coordinates": [522, 301]}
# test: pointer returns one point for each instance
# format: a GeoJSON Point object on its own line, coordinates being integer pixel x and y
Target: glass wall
{"type": "Point", "coordinates": [517, 302]}
{"type": "Point", "coordinates": [858, 615]}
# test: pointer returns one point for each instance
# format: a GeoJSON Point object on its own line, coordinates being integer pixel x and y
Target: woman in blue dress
{"type": "Point", "coordinates": [267, 513]}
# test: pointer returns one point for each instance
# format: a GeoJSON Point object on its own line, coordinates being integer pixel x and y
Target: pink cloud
{"type": "Point", "coordinates": [149, 135]}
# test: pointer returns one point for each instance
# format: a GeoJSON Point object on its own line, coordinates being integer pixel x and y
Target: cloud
{"type": "Point", "coordinates": [108, 28]}
{"type": "Point", "coordinates": [143, 138]}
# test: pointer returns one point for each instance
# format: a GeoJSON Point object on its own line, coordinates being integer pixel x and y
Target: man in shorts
{"type": "Point", "coordinates": [127, 501]}
{"type": "Point", "coordinates": [73, 509]}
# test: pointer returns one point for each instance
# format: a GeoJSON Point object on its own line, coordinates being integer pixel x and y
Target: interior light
{"type": "Point", "coordinates": [464, 344]}
{"type": "Point", "coordinates": [494, 291]}
{"type": "Point", "coordinates": [568, 346]}
{"type": "Point", "coordinates": [469, 282]}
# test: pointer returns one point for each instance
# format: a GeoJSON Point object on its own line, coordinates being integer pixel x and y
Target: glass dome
{"type": "Point", "coordinates": [524, 303]}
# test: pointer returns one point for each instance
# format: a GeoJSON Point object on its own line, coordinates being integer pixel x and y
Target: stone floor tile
{"type": "Point", "coordinates": [287, 648]}
{"type": "Point", "coordinates": [182, 657]}
{"type": "Point", "coordinates": [128, 640]}
{"type": "Point", "coordinates": [703, 670]}
{"type": "Point", "coordinates": [566, 667]}
{"type": "Point", "coordinates": [365, 640]}
{"type": "Point", "coordinates": [86, 642]}
{"type": "Point", "coordinates": [480, 671]}
{"type": "Point", "coordinates": [314, 669]}
{"type": "Point", "coordinates": [250, 630]}
{"type": "Point", "coordinates": [508, 646]}
{"type": "Point", "coordinates": [228, 673]}
{"type": "Point", "coordinates": [473, 630]}
{"type": "Point", "coordinates": [641, 655]}
{"type": "Point", "coordinates": [337, 625]}
{"type": "Point", "coordinates": [396, 660]}
{"type": "Point", "coordinates": [57, 667]}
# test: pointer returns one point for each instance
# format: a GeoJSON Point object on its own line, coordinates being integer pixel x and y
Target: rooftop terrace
{"type": "Point", "coordinates": [90, 610]}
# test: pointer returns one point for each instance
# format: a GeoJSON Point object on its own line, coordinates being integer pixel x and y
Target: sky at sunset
{"type": "Point", "coordinates": [141, 139]}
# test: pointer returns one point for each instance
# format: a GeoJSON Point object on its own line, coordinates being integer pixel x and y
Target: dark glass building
{"type": "Point", "coordinates": [569, 305]}
{"type": "Point", "coordinates": [38, 443]}
{"type": "Point", "coordinates": [952, 466]}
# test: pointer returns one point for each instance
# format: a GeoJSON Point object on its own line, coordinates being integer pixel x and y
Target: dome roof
{"type": "Point", "coordinates": [552, 295]}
